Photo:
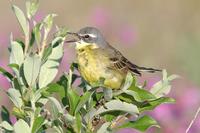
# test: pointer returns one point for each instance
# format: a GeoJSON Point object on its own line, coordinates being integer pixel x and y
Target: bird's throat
{"type": "Point", "coordinates": [82, 45]}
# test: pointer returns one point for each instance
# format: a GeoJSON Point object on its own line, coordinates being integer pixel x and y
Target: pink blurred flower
{"type": "Point", "coordinates": [127, 130]}
{"type": "Point", "coordinates": [127, 35]}
{"type": "Point", "coordinates": [100, 17]}
{"type": "Point", "coordinates": [3, 41]}
{"type": "Point", "coordinates": [163, 111]}
{"type": "Point", "coordinates": [4, 84]}
{"type": "Point", "coordinates": [39, 16]}
{"type": "Point", "coordinates": [13, 119]}
{"type": "Point", "coordinates": [189, 98]}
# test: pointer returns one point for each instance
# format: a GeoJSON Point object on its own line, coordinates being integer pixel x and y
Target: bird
{"type": "Point", "coordinates": [98, 60]}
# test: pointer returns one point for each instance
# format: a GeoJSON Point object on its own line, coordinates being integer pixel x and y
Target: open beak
{"type": "Point", "coordinates": [76, 39]}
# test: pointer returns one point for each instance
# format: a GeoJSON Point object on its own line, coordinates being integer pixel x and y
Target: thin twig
{"type": "Point", "coordinates": [191, 123]}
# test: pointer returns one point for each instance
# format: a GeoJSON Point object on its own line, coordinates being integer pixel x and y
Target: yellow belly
{"type": "Point", "coordinates": [94, 67]}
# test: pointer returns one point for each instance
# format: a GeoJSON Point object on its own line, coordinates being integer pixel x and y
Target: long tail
{"type": "Point", "coordinates": [137, 69]}
{"type": "Point", "coordinates": [151, 70]}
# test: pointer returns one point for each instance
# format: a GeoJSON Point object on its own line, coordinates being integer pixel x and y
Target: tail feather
{"type": "Point", "coordinates": [137, 69]}
{"type": "Point", "coordinates": [151, 70]}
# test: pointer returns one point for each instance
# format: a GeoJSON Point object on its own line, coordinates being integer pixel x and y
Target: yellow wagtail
{"type": "Point", "coordinates": [97, 59]}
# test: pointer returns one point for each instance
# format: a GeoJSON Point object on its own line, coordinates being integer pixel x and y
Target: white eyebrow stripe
{"type": "Point", "coordinates": [92, 35]}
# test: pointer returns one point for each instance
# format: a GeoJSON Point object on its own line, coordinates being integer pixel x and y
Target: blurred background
{"type": "Point", "coordinates": [160, 34]}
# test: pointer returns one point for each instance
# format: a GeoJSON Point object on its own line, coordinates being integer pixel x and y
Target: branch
{"type": "Point", "coordinates": [191, 123]}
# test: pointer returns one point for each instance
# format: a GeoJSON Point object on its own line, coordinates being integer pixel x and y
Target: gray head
{"type": "Point", "coordinates": [90, 35]}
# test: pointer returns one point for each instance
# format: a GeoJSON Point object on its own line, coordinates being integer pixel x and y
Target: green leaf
{"type": "Point", "coordinates": [37, 33]}
{"type": "Point", "coordinates": [32, 40]}
{"type": "Point", "coordinates": [19, 113]}
{"type": "Point", "coordinates": [116, 105]}
{"type": "Point", "coordinates": [50, 68]}
{"type": "Point", "coordinates": [5, 115]}
{"type": "Point", "coordinates": [104, 128]}
{"type": "Point", "coordinates": [56, 88]}
{"type": "Point", "coordinates": [163, 87]}
{"type": "Point", "coordinates": [85, 98]}
{"type": "Point", "coordinates": [15, 97]}
{"type": "Point", "coordinates": [47, 53]}
{"type": "Point", "coordinates": [6, 126]}
{"type": "Point", "coordinates": [22, 19]}
{"type": "Point", "coordinates": [140, 95]}
{"type": "Point", "coordinates": [21, 127]}
{"type": "Point", "coordinates": [38, 122]}
{"type": "Point", "coordinates": [55, 107]}
{"type": "Point", "coordinates": [32, 7]}
{"type": "Point", "coordinates": [141, 124]}
{"type": "Point", "coordinates": [74, 99]}
{"type": "Point", "coordinates": [152, 104]}
{"type": "Point", "coordinates": [6, 74]}
{"type": "Point", "coordinates": [31, 68]}
{"type": "Point", "coordinates": [17, 85]}
{"type": "Point", "coordinates": [16, 53]}
{"type": "Point", "coordinates": [78, 123]}
{"type": "Point", "coordinates": [14, 66]}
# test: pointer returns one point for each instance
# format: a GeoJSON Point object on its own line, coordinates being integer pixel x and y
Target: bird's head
{"type": "Point", "coordinates": [88, 36]}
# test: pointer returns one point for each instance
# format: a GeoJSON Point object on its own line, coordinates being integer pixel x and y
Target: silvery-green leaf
{"type": "Point", "coordinates": [16, 53]}
{"type": "Point", "coordinates": [31, 68]}
{"type": "Point", "coordinates": [50, 68]}
{"type": "Point", "coordinates": [22, 19]}
{"type": "Point", "coordinates": [6, 126]}
{"type": "Point", "coordinates": [114, 105]}
{"type": "Point", "coordinates": [21, 127]}
{"type": "Point", "coordinates": [38, 94]}
{"type": "Point", "coordinates": [43, 100]}
{"type": "Point", "coordinates": [47, 73]}
{"type": "Point", "coordinates": [128, 81]}
{"type": "Point", "coordinates": [91, 113]}
{"type": "Point", "coordinates": [69, 118]}
{"type": "Point", "coordinates": [57, 129]}
{"type": "Point", "coordinates": [172, 77]}
{"type": "Point", "coordinates": [15, 97]}
{"type": "Point", "coordinates": [118, 105]}
{"type": "Point", "coordinates": [37, 33]}
{"type": "Point", "coordinates": [127, 84]}
{"type": "Point", "coordinates": [163, 87]}
{"type": "Point", "coordinates": [104, 128]}
{"type": "Point", "coordinates": [85, 98]}
{"type": "Point", "coordinates": [55, 107]}
{"type": "Point", "coordinates": [32, 7]}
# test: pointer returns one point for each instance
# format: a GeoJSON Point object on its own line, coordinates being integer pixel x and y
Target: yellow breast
{"type": "Point", "coordinates": [94, 66]}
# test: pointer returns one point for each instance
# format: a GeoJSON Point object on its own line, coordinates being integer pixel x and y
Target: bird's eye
{"type": "Point", "coordinates": [86, 36]}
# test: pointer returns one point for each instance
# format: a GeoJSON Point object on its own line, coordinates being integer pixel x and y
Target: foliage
{"type": "Point", "coordinates": [41, 105]}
